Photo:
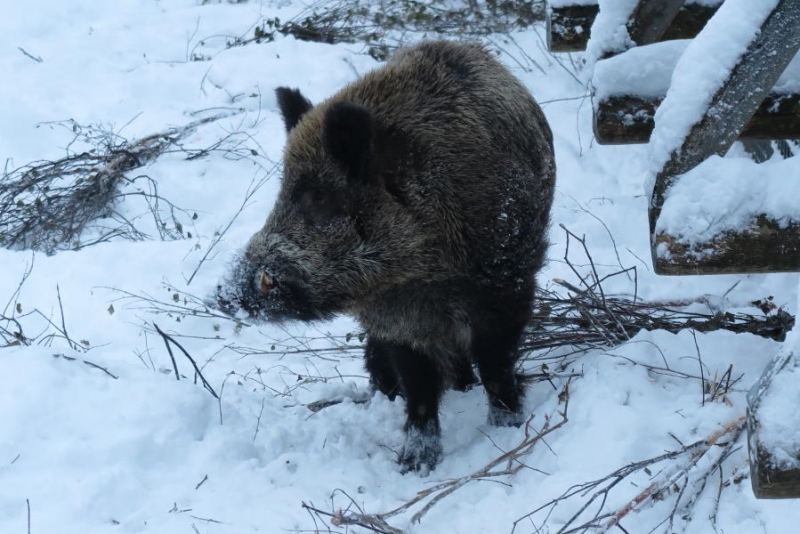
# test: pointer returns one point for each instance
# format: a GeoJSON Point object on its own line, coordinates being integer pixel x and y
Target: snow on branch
{"type": "Point", "coordinates": [48, 206]}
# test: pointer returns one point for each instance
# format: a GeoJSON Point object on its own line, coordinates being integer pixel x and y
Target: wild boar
{"type": "Point", "coordinates": [416, 199]}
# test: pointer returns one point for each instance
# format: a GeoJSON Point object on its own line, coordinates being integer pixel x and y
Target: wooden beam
{"type": "Point", "coordinates": [651, 18]}
{"type": "Point", "coordinates": [625, 120]}
{"type": "Point", "coordinates": [765, 246]}
{"type": "Point", "coordinates": [731, 108]}
{"type": "Point", "coordinates": [569, 27]}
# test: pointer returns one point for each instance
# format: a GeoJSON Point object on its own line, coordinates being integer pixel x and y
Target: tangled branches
{"type": "Point", "coordinates": [48, 205]}
{"type": "Point", "coordinates": [682, 478]}
{"type": "Point", "coordinates": [586, 317]}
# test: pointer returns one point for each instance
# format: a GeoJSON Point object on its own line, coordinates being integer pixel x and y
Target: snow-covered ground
{"type": "Point", "coordinates": [84, 452]}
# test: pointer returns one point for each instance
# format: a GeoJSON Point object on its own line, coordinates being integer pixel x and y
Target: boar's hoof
{"type": "Point", "coordinates": [421, 452]}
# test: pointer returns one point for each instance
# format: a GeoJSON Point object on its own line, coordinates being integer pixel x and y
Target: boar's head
{"type": "Point", "coordinates": [338, 231]}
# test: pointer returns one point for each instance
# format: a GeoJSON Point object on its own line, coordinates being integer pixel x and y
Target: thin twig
{"type": "Point", "coordinates": [27, 54]}
{"type": "Point", "coordinates": [169, 339]}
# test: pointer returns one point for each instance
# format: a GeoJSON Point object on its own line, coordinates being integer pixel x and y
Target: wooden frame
{"type": "Point", "coordinates": [569, 27]}
{"type": "Point", "coordinates": [731, 108]}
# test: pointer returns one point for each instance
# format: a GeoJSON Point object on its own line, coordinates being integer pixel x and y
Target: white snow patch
{"type": "Point", "coordinates": [647, 71]}
{"type": "Point", "coordinates": [641, 71]}
{"type": "Point", "coordinates": [609, 31]}
{"type": "Point", "coordinates": [726, 194]}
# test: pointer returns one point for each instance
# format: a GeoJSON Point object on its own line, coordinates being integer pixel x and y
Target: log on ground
{"type": "Point", "coordinates": [765, 246]}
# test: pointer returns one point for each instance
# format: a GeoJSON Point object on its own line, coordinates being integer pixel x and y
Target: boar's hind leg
{"type": "Point", "coordinates": [421, 385]}
{"type": "Point", "coordinates": [464, 377]}
{"type": "Point", "coordinates": [494, 345]}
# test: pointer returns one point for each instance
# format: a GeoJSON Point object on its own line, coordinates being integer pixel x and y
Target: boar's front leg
{"type": "Point", "coordinates": [496, 337]}
{"type": "Point", "coordinates": [420, 384]}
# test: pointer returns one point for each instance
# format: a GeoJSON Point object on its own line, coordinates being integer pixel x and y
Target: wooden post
{"type": "Point", "coordinates": [731, 108]}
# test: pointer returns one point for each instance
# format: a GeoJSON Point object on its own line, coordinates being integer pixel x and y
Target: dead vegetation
{"type": "Point", "coordinates": [384, 25]}
{"type": "Point", "coordinates": [78, 200]}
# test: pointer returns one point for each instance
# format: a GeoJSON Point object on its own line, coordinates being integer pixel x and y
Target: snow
{"type": "Point", "coordinates": [777, 408]}
{"type": "Point", "coordinates": [647, 71]}
{"type": "Point", "coordinates": [641, 71]}
{"type": "Point", "coordinates": [609, 30]}
{"type": "Point", "coordinates": [143, 452]}
{"type": "Point", "coordinates": [727, 194]}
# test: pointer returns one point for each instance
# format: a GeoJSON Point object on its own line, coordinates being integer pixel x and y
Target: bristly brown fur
{"type": "Point", "coordinates": [417, 199]}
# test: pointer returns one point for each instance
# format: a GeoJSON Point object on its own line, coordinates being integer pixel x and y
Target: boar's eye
{"type": "Point", "coordinates": [321, 205]}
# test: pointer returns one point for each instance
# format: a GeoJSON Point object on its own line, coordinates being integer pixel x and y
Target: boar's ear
{"type": "Point", "coordinates": [347, 137]}
{"type": "Point", "coordinates": [293, 106]}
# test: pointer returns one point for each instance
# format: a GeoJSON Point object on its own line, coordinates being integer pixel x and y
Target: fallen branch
{"type": "Point", "coordinates": [47, 205]}
{"type": "Point", "coordinates": [10, 328]}
{"type": "Point", "coordinates": [587, 318]}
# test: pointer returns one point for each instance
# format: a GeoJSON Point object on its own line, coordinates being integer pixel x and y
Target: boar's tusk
{"type": "Point", "coordinates": [265, 282]}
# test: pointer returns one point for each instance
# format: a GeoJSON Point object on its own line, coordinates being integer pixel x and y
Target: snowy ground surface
{"type": "Point", "coordinates": [84, 452]}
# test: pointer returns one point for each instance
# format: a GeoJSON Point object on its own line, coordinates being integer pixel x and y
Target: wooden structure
{"type": "Point", "coordinates": [766, 245]}
{"type": "Point", "coordinates": [742, 107]}
{"type": "Point", "coordinates": [569, 26]}
{"type": "Point", "coordinates": [770, 478]}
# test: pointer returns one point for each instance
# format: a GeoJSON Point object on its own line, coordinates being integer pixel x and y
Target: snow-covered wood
{"type": "Point", "coordinates": [773, 429]}
{"type": "Point", "coordinates": [569, 25]}
{"type": "Point", "coordinates": [683, 138]}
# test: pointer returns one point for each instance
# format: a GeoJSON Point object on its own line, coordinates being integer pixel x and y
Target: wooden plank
{"type": "Point", "coordinates": [651, 18]}
{"type": "Point", "coordinates": [569, 27]}
{"type": "Point", "coordinates": [624, 120]}
{"type": "Point", "coordinates": [731, 108]}
{"type": "Point", "coordinates": [768, 480]}
{"type": "Point", "coordinates": [764, 247]}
